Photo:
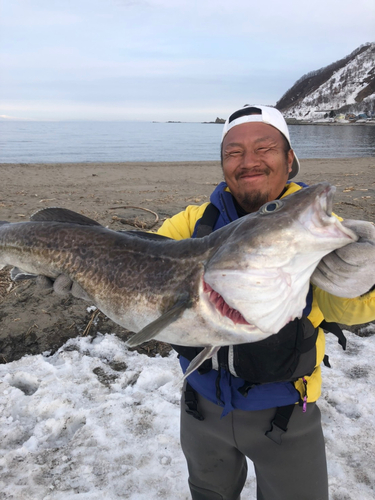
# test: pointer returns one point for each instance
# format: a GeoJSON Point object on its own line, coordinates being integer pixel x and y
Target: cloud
{"type": "Point", "coordinates": [36, 14]}
{"type": "Point", "coordinates": [163, 51]}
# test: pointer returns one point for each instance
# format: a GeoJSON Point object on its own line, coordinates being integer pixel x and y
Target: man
{"type": "Point", "coordinates": [276, 424]}
{"type": "Point", "coordinates": [231, 424]}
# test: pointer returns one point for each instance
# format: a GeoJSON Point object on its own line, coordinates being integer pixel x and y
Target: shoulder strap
{"type": "Point", "coordinates": [191, 402]}
{"type": "Point", "coordinates": [336, 330]}
{"type": "Point", "coordinates": [207, 222]}
{"type": "Point", "coordinates": [279, 424]}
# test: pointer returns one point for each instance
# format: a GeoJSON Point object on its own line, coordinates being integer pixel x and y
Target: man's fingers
{"type": "Point", "coordinates": [363, 229]}
{"type": "Point", "coordinates": [63, 285]}
{"type": "Point", "coordinates": [44, 283]}
{"type": "Point", "coordinates": [78, 292]}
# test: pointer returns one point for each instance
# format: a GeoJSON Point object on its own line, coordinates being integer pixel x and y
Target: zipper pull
{"type": "Point", "coordinates": [304, 406]}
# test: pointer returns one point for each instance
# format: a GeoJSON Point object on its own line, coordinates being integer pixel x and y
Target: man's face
{"type": "Point", "coordinates": [255, 164]}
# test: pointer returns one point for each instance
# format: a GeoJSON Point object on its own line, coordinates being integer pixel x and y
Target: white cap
{"type": "Point", "coordinates": [265, 114]}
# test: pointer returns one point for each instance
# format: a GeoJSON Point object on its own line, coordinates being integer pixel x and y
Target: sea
{"type": "Point", "coordinates": [81, 141]}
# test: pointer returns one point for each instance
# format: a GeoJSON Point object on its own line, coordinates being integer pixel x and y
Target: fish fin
{"type": "Point", "coordinates": [18, 275]}
{"type": "Point", "coordinates": [55, 214]}
{"type": "Point", "coordinates": [150, 331]}
{"type": "Point", "coordinates": [207, 353]}
{"type": "Point", "coordinates": [145, 236]}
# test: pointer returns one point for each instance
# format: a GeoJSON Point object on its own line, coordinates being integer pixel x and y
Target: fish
{"type": "Point", "coordinates": [240, 284]}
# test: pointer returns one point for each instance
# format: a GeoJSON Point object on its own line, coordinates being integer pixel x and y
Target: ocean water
{"type": "Point", "coordinates": [45, 142]}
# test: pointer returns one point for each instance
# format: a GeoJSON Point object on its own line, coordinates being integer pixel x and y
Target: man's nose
{"type": "Point", "coordinates": [251, 158]}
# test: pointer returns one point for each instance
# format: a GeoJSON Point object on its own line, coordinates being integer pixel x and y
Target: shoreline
{"type": "Point", "coordinates": [292, 121]}
{"type": "Point", "coordinates": [166, 163]}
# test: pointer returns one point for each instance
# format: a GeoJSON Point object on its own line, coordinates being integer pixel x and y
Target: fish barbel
{"type": "Point", "coordinates": [242, 283]}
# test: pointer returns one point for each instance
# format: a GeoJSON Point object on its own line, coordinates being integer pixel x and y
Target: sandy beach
{"type": "Point", "coordinates": [166, 188]}
{"type": "Point", "coordinates": [32, 321]}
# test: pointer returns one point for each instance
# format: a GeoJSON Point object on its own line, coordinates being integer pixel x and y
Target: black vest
{"type": "Point", "coordinates": [286, 356]}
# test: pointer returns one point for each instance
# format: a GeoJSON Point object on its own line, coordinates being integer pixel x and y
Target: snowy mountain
{"type": "Point", "coordinates": [344, 88]}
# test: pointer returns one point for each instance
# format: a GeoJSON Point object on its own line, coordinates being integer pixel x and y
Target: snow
{"type": "Point", "coordinates": [96, 421]}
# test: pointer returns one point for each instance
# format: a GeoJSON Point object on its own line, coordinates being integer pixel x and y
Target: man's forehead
{"type": "Point", "coordinates": [265, 138]}
{"type": "Point", "coordinates": [253, 131]}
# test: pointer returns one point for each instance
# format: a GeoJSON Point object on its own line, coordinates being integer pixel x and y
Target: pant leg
{"type": "Point", "coordinates": [296, 469]}
{"type": "Point", "coordinates": [215, 451]}
{"type": "Point", "coordinates": [217, 469]}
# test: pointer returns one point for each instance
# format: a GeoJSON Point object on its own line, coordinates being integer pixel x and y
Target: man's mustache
{"type": "Point", "coordinates": [252, 171]}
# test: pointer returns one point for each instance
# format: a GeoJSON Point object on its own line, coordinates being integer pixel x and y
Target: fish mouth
{"type": "Point", "coordinates": [222, 307]}
{"type": "Point", "coordinates": [323, 206]}
{"type": "Point", "coordinates": [319, 219]}
{"type": "Point", "coordinates": [326, 200]}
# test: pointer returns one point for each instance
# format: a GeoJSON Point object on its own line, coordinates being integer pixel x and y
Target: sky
{"type": "Point", "coordinates": [96, 421]}
{"type": "Point", "coordinates": [162, 60]}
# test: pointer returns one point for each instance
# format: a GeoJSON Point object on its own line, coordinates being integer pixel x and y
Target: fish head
{"type": "Point", "coordinates": [260, 275]}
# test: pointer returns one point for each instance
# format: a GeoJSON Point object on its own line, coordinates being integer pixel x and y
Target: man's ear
{"type": "Point", "coordinates": [290, 159]}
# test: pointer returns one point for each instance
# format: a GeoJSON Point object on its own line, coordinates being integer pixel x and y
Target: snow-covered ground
{"type": "Point", "coordinates": [95, 421]}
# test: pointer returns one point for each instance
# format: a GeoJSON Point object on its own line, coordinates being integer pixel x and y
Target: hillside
{"type": "Point", "coordinates": [346, 87]}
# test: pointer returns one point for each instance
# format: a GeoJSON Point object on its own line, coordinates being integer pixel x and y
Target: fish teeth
{"type": "Point", "coordinates": [220, 305]}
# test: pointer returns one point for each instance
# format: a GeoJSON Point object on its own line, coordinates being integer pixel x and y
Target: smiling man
{"type": "Point", "coordinates": [236, 406]}
{"type": "Point", "coordinates": [258, 400]}
{"type": "Point", "coordinates": [257, 159]}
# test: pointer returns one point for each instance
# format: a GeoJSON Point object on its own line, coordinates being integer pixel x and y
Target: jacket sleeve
{"type": "Point", "coordinates": [347, 311]}
{"type": "Point", "coordinates": [182, 225]}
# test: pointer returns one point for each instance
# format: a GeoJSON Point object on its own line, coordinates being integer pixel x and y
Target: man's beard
{"type": "Point", "coordinates": [252, 202]}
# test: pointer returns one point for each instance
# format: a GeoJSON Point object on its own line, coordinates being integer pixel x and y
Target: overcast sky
{"type": "Point", "coordinates": [166, 59]}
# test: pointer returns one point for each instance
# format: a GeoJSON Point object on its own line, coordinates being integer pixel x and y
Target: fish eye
{"type": "Point", "coordinates": [271, 206]}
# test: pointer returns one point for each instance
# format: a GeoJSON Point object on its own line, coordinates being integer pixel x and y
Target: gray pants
{"type": "Point", "coordinates": [215, 450]}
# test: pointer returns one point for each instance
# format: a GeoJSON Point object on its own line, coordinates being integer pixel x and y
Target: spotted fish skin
{"type": "Point", "coordinates": [240, 284]}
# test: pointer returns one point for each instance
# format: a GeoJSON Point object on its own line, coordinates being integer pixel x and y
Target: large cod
{"type": "Point", "coordinates": [240, 284]}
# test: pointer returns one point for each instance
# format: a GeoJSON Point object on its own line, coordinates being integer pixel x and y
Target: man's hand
{"type": "Point", "coordinates": [349, 271]}
{"type": "Point", "coordinates": [63, 286]}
